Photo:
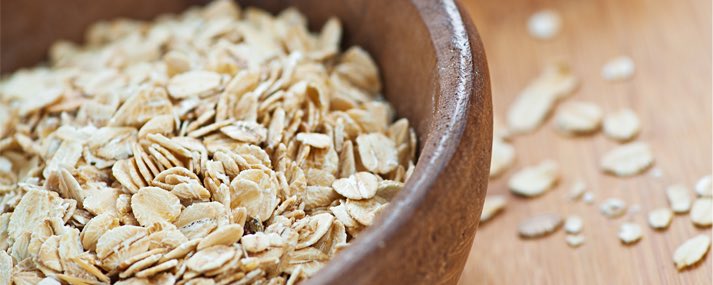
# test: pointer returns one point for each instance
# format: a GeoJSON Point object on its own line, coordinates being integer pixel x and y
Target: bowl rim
{"type": "Point", "coordinates": [461, 51]}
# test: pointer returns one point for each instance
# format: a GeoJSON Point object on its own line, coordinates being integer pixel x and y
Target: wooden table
{"type": "Point", "coordinates": [670, 41]}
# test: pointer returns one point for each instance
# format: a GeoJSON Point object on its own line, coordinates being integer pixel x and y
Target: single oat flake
{"type": "Point", "coordinates": [618, 69]}
{"type": "Point", "coordinates": [577, 190]}
{"type": "Point", "coordinates": [678, 198]}
{"type": "Point", "coordinates": [219, 146]}
{"type": "Point", "coordinates": [613, 208]}
{"type": "Point", "coordinates": [536, 101]}
{"type": "Point", "coordinates": [544, 24]}
{"type": "Point", "coordinates": [702, 212]}
{"type": "Point", "coordinates": [535, 180]}
{"type": "Point", "coordinates": [622, 125]}
{"type": "Point", "coordinates": [630, 233]}
{"type": "Point", "coordinates": [627, 160]}
{"type": "Point", "coordinates": [578, 118]}
{"type": "Point", "coordinates": [574, 240]}
{"type": "Point", "coordinates": [691, 251]}
{"type": "Point", "coordinates": [539, 225]}
{"type": "Point", "coordinates": [573, 224]}
{"type": "Point", "coordinates": [493, 205]}
{"type": "Point", "coordinates": [704, 186]}
{"type": "Point", "coordinates": [502, 157]}
{"type": "Point", "coordinates": [660, 218]}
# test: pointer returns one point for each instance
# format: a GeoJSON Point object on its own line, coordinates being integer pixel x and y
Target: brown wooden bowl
{"type": "Point", "coordinates": [435, 74]}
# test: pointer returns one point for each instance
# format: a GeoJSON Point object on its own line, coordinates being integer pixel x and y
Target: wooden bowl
{"type": "Point", "coordinates": [435, 74]}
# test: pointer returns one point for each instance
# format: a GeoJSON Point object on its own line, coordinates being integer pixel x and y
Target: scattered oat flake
{"type": "Point", "coordinates": [627, 160]}
{"type": "Point", "coordinates": [588, 198]}
{"type": "Point", "coordinates": [573, 224]}
{"type": "Point", "coordinates": [691, 251]}
{"type": "Point", "coordinates": [622, 125]}
{"type": "Point", "coordinates": [678, 198]}
{"type": "Point", "coordinates": [539, 225]}
{"type": "Point", "coordinates": [577, 191]}
{"type": "Point", "coordinates": [544, 24]}
{"type": "Point", "coordinates": [630, 233]}
{"type": "Point", "coordinates": [502, 157]}
{"type": "Point", "coordinates": [702, 212]}
{"type": "Point", "coordinates": [578, 117]}
{"type": "Point", "coordinates": [500, 130]}
{"type": "Point", "coordinates": [660, 218]}
{"type": "Point", "coordinates": [613, 208]}
{"type": "Point", "coordinates": [535, 180]}
{"type": "Point", "coordinates": [703, 186]}
{"type": "Point", "coordinates": [493, 205]}
{"type": "Point", "coordinates": [537, 100]}
{"type": "Point", "coordinates": [618, 69]}
{"type": "Point", "coordinates": [574, 240]}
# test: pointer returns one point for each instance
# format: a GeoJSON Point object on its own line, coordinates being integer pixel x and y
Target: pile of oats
{"type": "Point", "coordinates": [219, 146]}
{"type": "Point", "coordinates": [631, 157]}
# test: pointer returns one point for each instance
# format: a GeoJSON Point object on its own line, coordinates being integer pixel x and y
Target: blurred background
{"type": "Point", "coordinates": [670, 44]}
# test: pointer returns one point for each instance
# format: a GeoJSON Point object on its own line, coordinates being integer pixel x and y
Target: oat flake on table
{"type": "Point", "coordinates": [539, 225]}
{"type": "Point", "coordinates": [679, 198]}
{"type": "Point", "coordinates": [621, 125]}
{"type": "Point", "coordinates": [578, 117]}
{"type": "Point", "coordinates": [618, 68]}
{"type": "Point", "coordinates": [502, 157]}
{"type": "Point", "coordinates": [224, 145]}
{"type": "Point", "coordinates": [627, 160]}
{"type": "Point", "coordinates": [577, 190]}
{"type": "Point", "coordinates": [704, 186]}
{"type": "Point", "coordinates": [573, 224]}
{"type": "Point", "coordinates": [702, 212]}
{"type": "Point", "coordinates": [575, 240]}
{"type": "Point", "coordinates": [613, 208]}
{"type": "Point", "coordinates": [535, 180]}
{"type": "Point", "coordinates": [534, 103]}
{"type": "Point", "coordinates": [544, 24]}
{"type": "Point", "coordinates": [691, 251]}
{"type": "Point", "coordinates": [630, 233]}
{"type": "Point", "coordinates": [660, 218]}
{"type": "Point", "coordinates": [493, 205]}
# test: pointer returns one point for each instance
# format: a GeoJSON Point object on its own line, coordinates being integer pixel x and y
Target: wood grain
{"type": "Point", "coordinates": [670, 41]}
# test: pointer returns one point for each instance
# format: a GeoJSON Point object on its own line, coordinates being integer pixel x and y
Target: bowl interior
{"type": "Point", "coordinates": [405, 56]}
{"type": "Point", "coordinates": [415, 64]}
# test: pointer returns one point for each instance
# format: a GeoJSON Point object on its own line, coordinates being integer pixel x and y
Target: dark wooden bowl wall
{"type": "Point", "coordinates": [435, 74]}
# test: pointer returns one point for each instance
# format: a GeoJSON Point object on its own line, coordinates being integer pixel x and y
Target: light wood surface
{"type": "Point", "coordinates": [670, 41]}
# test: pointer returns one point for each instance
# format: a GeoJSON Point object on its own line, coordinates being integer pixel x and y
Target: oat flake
{"type": "Point", "coordinates": [621, 125]}
{"type": "Point", "coordinates": [493, 205]}
{"type": "Point", "coordinates": [539, 225]}
{"type": "Point", "coordinates": [627, 160]}
{"type": "Point", "coordinates": [691, 251]}
{"type": "Point", "coordinates": [535, 180]}
{"type": "Point", "coordinates": [660, 218]}
{"type": "Point", "coordinates": [630, 233]}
